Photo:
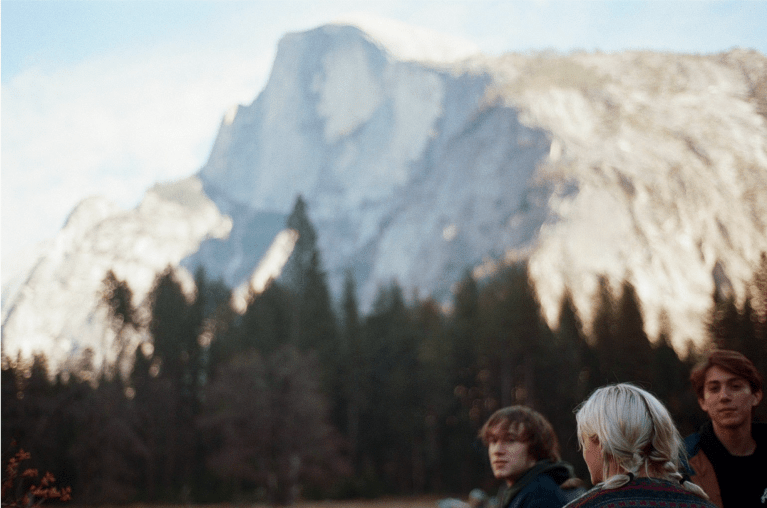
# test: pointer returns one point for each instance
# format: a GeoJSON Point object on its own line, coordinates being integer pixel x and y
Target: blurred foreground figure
{"type": "Point", "coordinates": [524, 451]}
{"type": "Point", "coordinates": [632, 449]}
{"type": "Point", "coordinates": [728, 455]}
{"type": "Point", "coordinates": [477, 499]}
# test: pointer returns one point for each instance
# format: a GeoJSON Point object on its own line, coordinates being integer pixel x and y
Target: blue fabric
{"type": "Point", "coordinates": [542, 492]}
{"type": "Point", "coordinates": [539, 487]}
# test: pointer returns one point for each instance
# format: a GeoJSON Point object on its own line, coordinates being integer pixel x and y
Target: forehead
{"type": "Point", "coordinates": [505, 428]}
{"type": "Point", "coordinates": [716, 374]}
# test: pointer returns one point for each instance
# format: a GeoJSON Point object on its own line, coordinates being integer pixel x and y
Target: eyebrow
{"type": "Point", "coordinates": [729, 380]}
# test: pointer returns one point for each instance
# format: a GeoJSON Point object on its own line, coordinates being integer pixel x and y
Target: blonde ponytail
{"type": "Point", "coordinates": [636, 433]}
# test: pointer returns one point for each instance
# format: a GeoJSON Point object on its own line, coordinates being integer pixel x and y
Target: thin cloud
{"type": "Point", "coordinates": [111, 126]}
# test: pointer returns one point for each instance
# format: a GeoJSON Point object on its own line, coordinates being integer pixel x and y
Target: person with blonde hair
{"type": "Point", "coordinates": [632, 450]}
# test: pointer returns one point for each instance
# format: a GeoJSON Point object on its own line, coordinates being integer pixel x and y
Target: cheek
{"type": "Point", "coordinates": [593, 460]}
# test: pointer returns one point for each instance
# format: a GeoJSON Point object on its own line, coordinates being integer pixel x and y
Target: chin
{"type": "Point", "coordinates": [731, 422]}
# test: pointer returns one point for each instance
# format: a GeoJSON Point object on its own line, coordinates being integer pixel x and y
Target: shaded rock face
{"type": "Point", "coordinates": [644, 166]}
{"type": "Point", "coordinates": [409, 174]}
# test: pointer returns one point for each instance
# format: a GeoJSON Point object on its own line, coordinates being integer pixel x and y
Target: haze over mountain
{"type": "Point", "coordinates": [420, 159]}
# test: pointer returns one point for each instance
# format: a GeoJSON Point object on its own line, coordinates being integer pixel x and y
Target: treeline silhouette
{"type": "Point", "coordinates": [299, 397]}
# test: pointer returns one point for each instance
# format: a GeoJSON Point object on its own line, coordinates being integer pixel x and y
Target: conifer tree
{"type": "Point", "coordinates": [521, 318]}
{"type": "Point", "coordinates": [462, 465]}
{"type": "Point", "coordinates": [169, 326]}
{"type": "Point", "coordinates": [119, 299]}
{"type": "Point", "coordinates": [314, 323]}
{"type": "Point", "coordinates": [351, 366]}
{"type": "Point", "coordinates": [437, 365]}
{"type": "Point", "coordinates": [575, 364]}
{"type": "Point", "coordinates": [724, 321]}
{"type": "Point", "coordinates": [294, 273]}
{"type": "Point", "coordinates": [632, 346]}
{"type": "Point", "coordinates": [603, 333]}
{"type": "Point", "coordinates": [391, 403]}
{"type": "Point", "coordinates": [266, 324]}
{"type": "Point", "coordinates": [579, 365]}
{"type": "Point", "coordinates": [175, 324]}
{"type": "Point", "coordinates": [759, 320]}
{"type": "Point", "coordinates": [466, 324]}
{"type": "Point", "coordinates": [668, 374]}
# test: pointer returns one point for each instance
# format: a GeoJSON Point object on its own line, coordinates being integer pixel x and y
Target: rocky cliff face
{"type": "Point", "coordinates": [416, 168]}
{"type": "Point", "coordinates": [659, 165]}
{"type": "Point", "coordinates": [59, 309]}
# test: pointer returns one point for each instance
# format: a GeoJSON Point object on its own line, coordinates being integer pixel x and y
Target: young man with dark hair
{"type": "Point", "coordinates": [524, 452]}
{"type": "Point", "coordinates": [728, 455]}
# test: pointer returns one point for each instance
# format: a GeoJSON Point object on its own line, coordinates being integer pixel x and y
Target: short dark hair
{"type": "Point", "coordinates": [528, 426]}
{"type": "Point", "coordinates": [731, 361]}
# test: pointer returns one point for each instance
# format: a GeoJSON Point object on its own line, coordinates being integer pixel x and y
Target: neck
{"type": "Point", "coordinates": [737, 440]}
{"type": "Point", "coordinates": [641, 473]}
{"type": "Point", "coordinates": [511, 481]}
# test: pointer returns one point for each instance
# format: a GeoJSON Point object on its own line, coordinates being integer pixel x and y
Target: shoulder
{"type": "Point", "coordinates": [692, 444]}
{"type": "Point", "coordinates": [693, 454]}
{"type": "Point", "coordinates": [543, 491]}
{"type": "Point", "coordinates": [639, 492]}
{"type": "Point", "coordinates": [589, 498]}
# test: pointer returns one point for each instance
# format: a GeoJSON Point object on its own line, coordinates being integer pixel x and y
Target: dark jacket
{"type": "Point", "coordinates": [540, 487]}
{"type": "Point", "coordinates": [702, 446]}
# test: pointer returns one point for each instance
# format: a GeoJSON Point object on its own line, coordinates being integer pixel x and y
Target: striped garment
{"type": "Point", "coordinates": [645, 492]}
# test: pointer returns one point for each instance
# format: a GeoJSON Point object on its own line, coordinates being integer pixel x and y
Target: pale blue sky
{"type": "Point", "coordinates": [109, 96]}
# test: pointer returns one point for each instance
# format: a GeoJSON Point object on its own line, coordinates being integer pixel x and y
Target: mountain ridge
{"type": "Point", "coordinates": [638, 165]}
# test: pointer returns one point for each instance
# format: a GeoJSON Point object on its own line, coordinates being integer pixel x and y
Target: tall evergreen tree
{"type": "Point", "coordinates": [390, 412]}
{"type": "Point", "coordinates": [575, 364]}
{"type": "Point", "coordinates": [520, 328]}
{"type": "Point", "coordinates": [169, 326]}
{"type": "Point", "coordinates": [314, 323]}
{"type": "Point", "coordinates": [461, 463]}
{"type": "Point", "coordinates": [466, 324]}
{"type": "Point", "coordinates": [265, 326]}
{"type": "Point", "coordinates": [632, 345]}
{"type": "Point", "coordinates": [580, 364]}
{"type": "Point", "coordinates": [724, 322]}
{"type": "Point", "coordinates": [294, 273]}
{"type": "Point", "coordinates": [760, 298]}
{"type": "Point", "coordinates": [437, 365]}
{"type": "Point", "coordinates": [350, 371]}
{"type": "Point", "coordinates": [176, 324]}
{"type": "Point", "coordinates": [667, 372]}
{"type": "Point", "coordinates": [119, 299]}
{"type": "Point", "coordinates": [603, 333]}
